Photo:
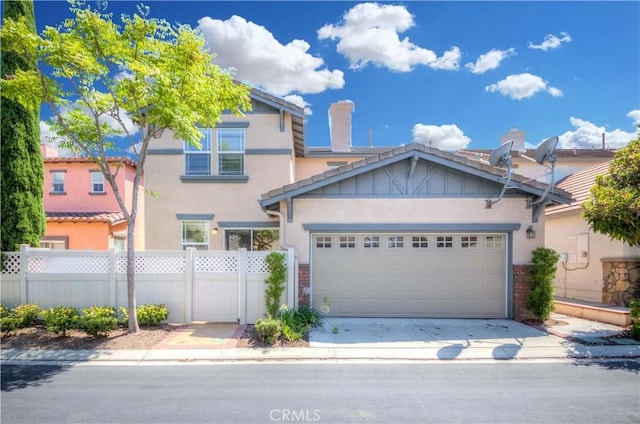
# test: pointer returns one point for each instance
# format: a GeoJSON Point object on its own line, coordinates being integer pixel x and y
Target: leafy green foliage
{"type": "Point", "coordinates": [268, 329]}
{"type": "Point", "coordinates": [152, 314]}
{"type": "Point", "coordinates": [27, 314]}
{"type": "Point", "coordinates": [61, 319]}
{"type": "Point", "coordinates": [123, 315]}
{"type": "Point", "coordinates": [543, 270]}
{"type": "Point", "coordinates": [275, 282]}
{"type": "Point", "coordinates": [297, 322]}
{"type": "Point", "coordinates": [22, 171]}
{"type": "Point", "coordinates": [9, 324]}
{"type": "Point", "coordinates": [98, 321]}
{"type": "Point", "coordinates": [634, 305]}
{"type": "Point", "coordinates": [97, 76]}
{"type": "Point", "coordinates": [614, 205]}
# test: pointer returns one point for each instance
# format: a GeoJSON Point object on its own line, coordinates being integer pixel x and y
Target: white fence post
{"type": "Point", "coordinates": [291, 279]}
{"type": "Point", "coordinates": [113, 287]}
{"type": "Point", "coordinates": [242, 285]}
{"type": "Point", "coordinates": [189, 281]}
{"type": "Point", "coordinates": [24, 265]}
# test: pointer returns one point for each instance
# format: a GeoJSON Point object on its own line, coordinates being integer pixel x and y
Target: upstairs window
{"type": "Point", "coordinates": [230, 151]}
{"type": "Point", "coordinates": [97, 182]}
{"type": "Point", "coordinates": [198, 161]}
{"type": "Point", "coordinates": [57, 182]}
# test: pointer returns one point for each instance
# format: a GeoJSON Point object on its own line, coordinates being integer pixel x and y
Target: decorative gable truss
{"type": "Point", "coordinates": [413, 171]}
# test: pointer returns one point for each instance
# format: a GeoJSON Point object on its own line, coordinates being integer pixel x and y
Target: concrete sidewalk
{"type": "Point", "coordinates": [376, 339]}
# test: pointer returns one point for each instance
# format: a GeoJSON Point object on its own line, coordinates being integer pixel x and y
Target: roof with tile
{"type": "Point", "coordinates": [579, 185]}
{"type": "Point", "coordinates": [109, 217]}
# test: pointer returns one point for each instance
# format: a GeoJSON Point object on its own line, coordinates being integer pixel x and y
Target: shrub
{"type": "Point", "coordinates": [9, 323]}
{"type": "Point", "coordinates": [293, 324]}
{"type": "Point", "coordinates": [275, 282]}
{"type": "Point", "coordinates": [311, 315]}
{"type": "Point", "coordinates": [152, 314]}
{"type": "Point", "coordinates": [4, 311]}
{"type": "Point", "coordinates": [27, 314]}
{"type": "Point", "coordinates": [97, 326]}
{"type": "Point", "coordinates": [268, 329]}
{"type": "Point", "coordinates": [123, 316]}
{"type": "Point", "coordinates": [61, 319]}
{"type": "Point", "coordinates": [634, 304]}
{"type": "Point", "coordinates": [543, 270]}
{"type": "Point", "coordinates": [98, 321]}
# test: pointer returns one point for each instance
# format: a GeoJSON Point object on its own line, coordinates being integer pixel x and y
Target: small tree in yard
{"type": "Point", "coordinates": [614, 206]}
{"type": "Point", "coordinates": [543, 271]}
{"type": "Point", "coordinates": [99, 77]}
{"type": "Point", "coordinates": [275, 282]}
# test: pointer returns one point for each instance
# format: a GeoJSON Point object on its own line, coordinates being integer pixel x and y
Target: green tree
{"type": "Point", "coordinates": [22, 172]}
{"type": "Point", "coordinates": [102, 74]}
{"type": "Point", "coordinates": [543, 271]}
{"type": "Point", "coordinates": [613, 207]}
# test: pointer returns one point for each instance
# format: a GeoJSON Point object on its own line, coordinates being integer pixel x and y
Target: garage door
{"type": "Point", "coordinates": [410, 274]}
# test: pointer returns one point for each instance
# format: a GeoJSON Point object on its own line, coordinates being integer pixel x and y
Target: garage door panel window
{"type": "Point", "coordinates": [469, 242]}
{"type": "Point", "coordinates": [371, 242]}
{"type": "Point", "coordinates": [347, 242]}
{"type": "Point", "coordinates": [420, 242]}
{"type": "Point", "coordinates": [323, 242]}
{"type": "Point", "coordinates": [444, 242]}
{"type": "Point", "coordinates": [395, 242]}
{"type": "Point", "coordinates": [493, 242]}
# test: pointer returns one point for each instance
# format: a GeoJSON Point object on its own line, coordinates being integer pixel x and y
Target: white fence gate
{"type": "Point", "coordinates": [196, 285]}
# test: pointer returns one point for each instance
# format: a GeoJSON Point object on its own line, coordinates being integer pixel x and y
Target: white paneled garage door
{"type": "Point", "coordinates": [410, 274]}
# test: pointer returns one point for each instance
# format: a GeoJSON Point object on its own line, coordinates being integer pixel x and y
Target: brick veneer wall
{"type": "Point", "coordinates": [304, 286]}
{"type": "Point", "coordinates": [521, 288]}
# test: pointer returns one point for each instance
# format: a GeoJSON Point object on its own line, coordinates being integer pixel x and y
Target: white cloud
{"type": "Point", "coordinates": [444, 137]}
{"type": "Point", "coordinates": [299, 101]}
{"type": "Point", "coordinates": [257, 56]}
{"type": "Point", "coordinates": [522, 86]}
{"type": "Point", "coordinates": [369, 33]}
{"type": "Point", "coordinates": [551, 41]}
{"type": "Point", "coordinates": [489, 60]}
{"type": "Point", "coordinates": [589, 136]}
{"type": "Point", "coordinates": [635, 115]}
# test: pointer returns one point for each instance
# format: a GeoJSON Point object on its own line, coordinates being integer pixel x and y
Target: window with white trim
{"type": "Point", "coordinates": [395, 242]}
{"type": "Point", "coordinates": [323, 242]}
{"type": "Point", "coordinates": [57, 182]}
{"type": "Point", "coordinates": [258, 239]}
{"type": "Point", "coordinates": [371, 241]}
{"type": "Point", "coordinates": [493, 242]}
{"type": "Point", "coordinates": [197, 161]}
{"type": "Point", "coordinates": [347, 242]}
{"type": "Point", "coordinates": [54, 243]}
{"type": "Point", "coordinates": [230, 151]}
{"type": "Point", "coordinates": [97, 182]}
{"type": "Point", "coordinates": [421, 242]}
{"type": "Point", "coordinates": [444, 242]}
{"type": "Point", "coordinates": [195, 234]}
{"type": "Point", "coordinates": [469, 242]}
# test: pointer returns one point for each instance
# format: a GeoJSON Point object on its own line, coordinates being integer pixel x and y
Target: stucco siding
{"type": "Point", "coordinates": [582, 279]}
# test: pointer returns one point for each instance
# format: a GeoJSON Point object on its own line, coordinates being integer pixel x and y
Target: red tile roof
{"type": "Point", "coordinates": [110, 217]}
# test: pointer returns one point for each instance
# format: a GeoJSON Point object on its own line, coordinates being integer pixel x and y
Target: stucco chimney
{"type": "Point", "coordinates": [517, 136]}
{"type": "Point", "coordinates": [340, 125]}
{"type": "Point", "coordinates": [48, 151]}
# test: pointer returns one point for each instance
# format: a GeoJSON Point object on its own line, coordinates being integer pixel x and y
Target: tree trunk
{"type": "Point", "coordinates": [131, 278]}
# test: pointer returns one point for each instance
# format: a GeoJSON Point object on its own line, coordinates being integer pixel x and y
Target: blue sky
{"type": "Point", "coordinates": [453, 74]}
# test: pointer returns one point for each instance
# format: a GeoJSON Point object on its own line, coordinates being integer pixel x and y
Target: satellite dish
{"type": "Point", "coordinates": [501, 156]}
{"type": "Point", "coordinates": [544, 152]}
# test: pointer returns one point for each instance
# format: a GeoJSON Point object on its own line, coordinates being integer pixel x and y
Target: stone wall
{"type": "Point", "coordinates": [621, 280]}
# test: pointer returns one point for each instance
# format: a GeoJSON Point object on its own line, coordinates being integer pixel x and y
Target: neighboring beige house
{"type": "Point", "coordinates": [587, 257]}
{"type": "Point", "coordinates": [401, 231]}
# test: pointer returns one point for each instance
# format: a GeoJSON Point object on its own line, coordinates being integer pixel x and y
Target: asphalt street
{"type": "Point", "coordinates": [452, 392]}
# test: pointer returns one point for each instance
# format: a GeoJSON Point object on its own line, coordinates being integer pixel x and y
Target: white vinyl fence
{"type": "Point", "coordinates": [196, 285]}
